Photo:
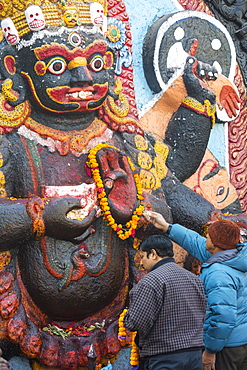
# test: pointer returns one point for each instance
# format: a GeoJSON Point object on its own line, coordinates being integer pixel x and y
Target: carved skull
{"type": "Point", "coordinates": [97, 15]}
{"type": "Point", "coordinates": [10, 32]}
{"type": "Point", "coordinates": [35, 18]}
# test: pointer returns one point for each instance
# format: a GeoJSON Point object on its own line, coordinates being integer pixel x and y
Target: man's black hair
{"type": "Point", "coordinates": [160, 243]}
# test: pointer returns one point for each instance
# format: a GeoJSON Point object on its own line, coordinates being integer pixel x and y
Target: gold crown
{"type": "Point", "coordinates": [52, 11]}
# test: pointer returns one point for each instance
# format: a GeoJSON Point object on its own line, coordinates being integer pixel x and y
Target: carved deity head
{"type": "Point", "coordinates": [70, 17]}
{"type": "Point", "coordinates": [70, 73]}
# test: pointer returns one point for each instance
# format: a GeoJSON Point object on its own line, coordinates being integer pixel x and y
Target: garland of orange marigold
{"type": "Point", "coordinates": [134, 355]}
{"type": "Point", "coordinates": [129, 229]}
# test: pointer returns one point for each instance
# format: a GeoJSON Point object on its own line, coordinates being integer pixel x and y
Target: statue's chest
{"type": "Point", "coordinates": [63, 170]}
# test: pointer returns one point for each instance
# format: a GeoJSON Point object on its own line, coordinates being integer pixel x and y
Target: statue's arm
{"type": "Point", "coordinates": [189, 129]}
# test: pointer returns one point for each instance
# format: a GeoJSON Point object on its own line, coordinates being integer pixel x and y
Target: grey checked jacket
{"type": "Point", "coordinates": [167, 309]}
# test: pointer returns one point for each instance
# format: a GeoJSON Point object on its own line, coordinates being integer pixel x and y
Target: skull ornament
{"type": "Point", "coordinates": [97, 15]}
{"type": "Point", "coordinates": [35, 18]}
{"type": "Point", "coordinates": [10, 32]}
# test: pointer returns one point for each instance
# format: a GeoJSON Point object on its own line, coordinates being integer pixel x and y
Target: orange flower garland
{"type": "Point", "coordinates": [129, 229]}
{"type": "Point", "coordinates": [134, 355]}
{"type": "Point", "coordinates": [121, 328]}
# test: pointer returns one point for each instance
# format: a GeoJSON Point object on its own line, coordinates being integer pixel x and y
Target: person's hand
{"type": "Point", "coordinates": [208, 360]}
{"type": "Point", "coordinates": [4, 365]}
{"type": "Point", "coordinates": [156, 219]}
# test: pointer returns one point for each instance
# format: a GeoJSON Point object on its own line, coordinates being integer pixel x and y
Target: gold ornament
{"type": "Point", "coordinates": [56, 12]}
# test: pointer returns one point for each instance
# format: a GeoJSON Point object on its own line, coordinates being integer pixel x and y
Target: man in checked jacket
{"type": "Point", "coordinates": [167, 309]}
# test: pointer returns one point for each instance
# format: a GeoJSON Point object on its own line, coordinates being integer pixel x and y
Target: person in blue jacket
{"type": "Point", "coordinates": [223, 271]}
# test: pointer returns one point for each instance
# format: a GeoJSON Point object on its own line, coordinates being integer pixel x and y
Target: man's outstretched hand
{"type": "Point", "coordinates": [156, 219]}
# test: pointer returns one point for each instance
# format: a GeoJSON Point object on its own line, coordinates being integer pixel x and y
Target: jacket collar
{"type": "Point", "coordinates": [162, 262]}
{"type": "Point", "coordinates": [224, 255]}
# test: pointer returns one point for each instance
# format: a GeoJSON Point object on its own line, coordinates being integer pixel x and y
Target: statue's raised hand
{"type": "Point", "coordinates": [195, 76]}
{"type": "Point", "coordinates": [119, 183]}
{"type": "Point", "coordinates": [58, 225]}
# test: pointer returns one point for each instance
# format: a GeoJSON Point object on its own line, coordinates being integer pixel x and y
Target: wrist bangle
{"type": "Point", "coordinates": [207, 109]}
{"type": "Point", "coordinates": [169, 229]}
{"type": "Point", "coordinates": [34, 208]}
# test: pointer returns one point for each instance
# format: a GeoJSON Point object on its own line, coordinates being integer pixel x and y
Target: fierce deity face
{"type": "Point", "coordinates": [68, 74]}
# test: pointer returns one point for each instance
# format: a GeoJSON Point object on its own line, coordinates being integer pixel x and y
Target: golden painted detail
{"type": "Point", "coordinates": [140, 142]}
{"type": "Point", "coordinates": [3, 192]}
{"type": "Point", "coordinates": [117, 113]}
{"type": "Point", "coordinates": [120, 110]}
{"type": "Point", "coordinates": [12, 117]}
{"type": "Point", "coordinates": [206, 109]}
{"type": "Point", "coordinates": [5, 258]}
{"type": "Point", "coordinates": [113, 33]}
{"type": "Point", "coordinates": [53, 12]}
{"type": "Point", "coordinates": [144, 160]}
{"type": "Point", "coordinates": [1, 35]}
{"type": "Point", "coordinates": [153, 169]}
{"type": "Point", "coordinates": [34, 207]}
{"type": "Point", "coordinates": [117, 110]}
{"type": "Point", "coordinates": [161, 149]}
{"type": "Point", "coordinates": [2, 179]}
{"type": "Point", "coordinates": [75, 140]}
{"type": "Point", "coordinates": [149, 179]}
{"type": "Point", "coordinates": [160, 167]}
{"type": "Point", "coordinates": [6, 90]}
{"type": "Point", "coordinates": [1, 160]}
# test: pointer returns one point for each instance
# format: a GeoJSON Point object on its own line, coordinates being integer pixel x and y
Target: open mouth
{"type": "Point", "coordinates": [83, 95]}
{"type": "Point", "coordinates": [11, 39]}
{"type": "Point", "coordinates": [35, 24]}
{"type": "Point", "coordinates": [76, 94]}
{"type": "Point", "coordinates": [99, 21]}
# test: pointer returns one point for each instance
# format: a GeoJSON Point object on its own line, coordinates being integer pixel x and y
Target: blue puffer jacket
{"type": "Point", "coordinates": [225, 281]}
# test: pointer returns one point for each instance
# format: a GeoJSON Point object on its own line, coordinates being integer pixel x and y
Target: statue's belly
{"type": "Point", "coordinates": [70, 282]}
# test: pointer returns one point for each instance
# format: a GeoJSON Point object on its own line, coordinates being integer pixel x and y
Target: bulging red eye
{"type": "Point", "coordinates": [57, 66]}
{"type": "Point", "coordinates": [97, 64]}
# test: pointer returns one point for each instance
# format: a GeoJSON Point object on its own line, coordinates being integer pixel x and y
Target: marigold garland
{"type": "Point", "coordinates": [134, 355]}
{"type": "Point", "coordinates": [129, 229]}
{"type": "Point", "coordinates": [121, 328]}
